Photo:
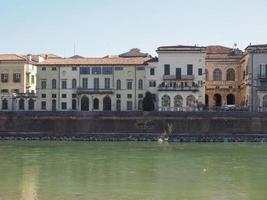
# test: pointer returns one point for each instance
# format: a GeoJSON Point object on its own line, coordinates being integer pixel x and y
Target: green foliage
{"type": "Point", "coordinates": [148, 102]}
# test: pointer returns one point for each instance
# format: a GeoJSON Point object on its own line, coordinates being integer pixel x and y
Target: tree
{"type": "Point", "coordinates": [148, 102]}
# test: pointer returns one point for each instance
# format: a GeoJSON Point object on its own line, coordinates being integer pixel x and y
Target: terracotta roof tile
{"type": "Point", "coordinates": [12, 57]}
{"type": "Point", "coordinates": [96, 61]}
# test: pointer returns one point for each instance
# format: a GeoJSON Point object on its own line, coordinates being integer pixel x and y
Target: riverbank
{"type": "Point", "coordinates": [134, 138]}
{"type": "Point", "coordinates": [134, 126]}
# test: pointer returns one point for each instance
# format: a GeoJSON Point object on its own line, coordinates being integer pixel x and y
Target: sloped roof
{"type": "Point", "coordinates": [96, 61]}
{"type": "Point", "coordinates": [12, 57]}
{"type": "Point", "coordinates": [135, 52]}
{"type": "Point", "coordinates": [217, 49]}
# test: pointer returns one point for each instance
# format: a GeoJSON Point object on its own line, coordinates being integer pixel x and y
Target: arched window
{"type": "Point", "coordinates": [178, 101]}
{"type": "Point", "coordinates": [31, 104]}
{"type": "Point", "coordinates": [140, 105]}
{"type": "Point", "coordinates": [96, 104]}
{"type": "Point", "coordinates": [230, 99]}
{"type": "Point", "coordinates": [107, 104]}
{"type": "Point", "coordinates": [166, 101]}
{"type": "Point", "coordinates": [21, 104]}
{"type": "Point", "coordinates": [118, 105]}
{"type": "Point", "coordinates": [54, 84]}
{"type": "Point", "coordinates": [4, 104]}
{"type": "Point", "coordinates": [74, 83]}
{"type": "Point", "coordinates": [206, 75]}
{"type": "Point", "coordinates": [218, 100]}
{"type": "Point", "coordinates": [230, 75]}
{"type": "Point", "coordinates": [85, 103]}
{"type": "Point", "coordinates": [118, 84]}
{"type": "Point", "coordinates": [264, 102]}
{"type": "Point", "coordinates": [191, 101]}
{"type": "Point", "coordinates": [217, 75]}
{"type": "Point", "coordinates": [140, 84]}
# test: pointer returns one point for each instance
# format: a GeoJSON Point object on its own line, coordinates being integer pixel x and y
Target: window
{"type": "Point", "coordinates": [140, 96]}
{"type": "Point", "coordinates": [152, 83]}
{"type": "Point", "coordinates": [166, 69]}
{"type": "Point", "coordinates": [263, 71]}
{"type": "Point", "coordinates": [189, 69]}
{"type": "Point", "coordinates": [74, 95]}
{"type": "Point", "coordinates": [107, 83]}
{"type": "Point", "coordinates": [118, 96]}
{"type": "Point", "coordinates": [107, 70]}
{"type": "Point", "coordinates": [54, 84]}
{"type": "Point", "coordinates": [31, 104]}
{"type": "Point", "coordinates": [74, 68]}
{"type": "Point", "coordinates": [74, 104]}
{"type": "Point", "coordinates": [140, 84]}
{"type": "Point", "coordinates": [64, 96]}
{"type": "Point", "coordinates": [166, 101]}
{"type": "Point", "coordinates": [85, 70]}
{"type": "Point", "coordinates": [74, 83]}
{"type": "Point", "coordinates": [129, 96]}
{"type": "Point", "coordinates": [230, 75]}
{"type": "Point", "coordinates": [118, 68]}
{"type": "Point", "coordinates": [264, 102]}
{"type": "Point", "coordinates": [43, 95]}
{"type": "Point", "coordinates": [4, 77]}
{"type": "Point", "coordinates": [21, 104]}
{"type": "Point", "coordinates": [152, 71]}
{"type": "Point", "coordinates": [129, 84]}
{"type": "Point", "coordinates": [54, 69]}
{"type": "Point", "coordinates": [217, 75]}
{"type": "Point", "coordinates": [96, 70]}
{"type": "Point", "coordinates": [43, 105]}
{"type": "Point", "coordinates": [4, 91]}
{"type": "Point", "coordinates": [4, 104]}
{"type": "Point", "coordinates": [64, 105]}
{"type": "Point", "coordinates": [85, 83]}
{"type": "Point", "coordinates": [200, 71]}
{"type": "Point", "coordinates": [118, 84]}
{"type": "Point", "coordinates": [96, 104]}
{"type": "Point", "coordinates": [129, 105]}
{"type": "Point", "coordinates": [54, 95]}
{"type": "Point", "coordinates": [16, 77]}
{"type": "Point", "coordinates": [43, 68]}
{"type": "Point", "coordinates": [96, 83]}
{"type": "Point", "coordinates": [43, 84]}
{"type": "Point", "coordinates": [32, 79]}
{"type": "Point", "coordinates": [64, 84]}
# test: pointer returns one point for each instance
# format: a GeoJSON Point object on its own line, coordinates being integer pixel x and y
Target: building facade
{"type": "Point", "coordinates": [254, 78]}
{"type": "Point", "coordinates": [180, 78]}
{"type": "Point", "coordinates": [222, 72]}
{"type": "Point", "coordinates": [114, 83]}
{"type": "Point", "coordinates": [18, 82]}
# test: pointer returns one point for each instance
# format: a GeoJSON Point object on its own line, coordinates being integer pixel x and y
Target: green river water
{"type": "Point", "coordinates": [132, 171]}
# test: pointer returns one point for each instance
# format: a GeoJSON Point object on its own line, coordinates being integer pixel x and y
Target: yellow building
{"type": "Point", "coordinates": [18, 82]}
{"type": "Point", "coordinates": [112, 83]}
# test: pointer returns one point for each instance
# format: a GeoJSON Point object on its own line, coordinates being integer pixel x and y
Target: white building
{"type": "Point", "coordinates": [180, 77]}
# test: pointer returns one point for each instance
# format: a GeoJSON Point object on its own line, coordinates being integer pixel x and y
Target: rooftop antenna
{"type": "Point", "coordinates": [235, 46]}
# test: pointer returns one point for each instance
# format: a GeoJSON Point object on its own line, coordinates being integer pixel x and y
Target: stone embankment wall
{"type": "Point", "coordinates": [132, 123]}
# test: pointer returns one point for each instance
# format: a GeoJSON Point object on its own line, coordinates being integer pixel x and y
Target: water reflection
{"type": "Point", "coordinates": [144, 171]}
{"type": "Point", "coordinates": [29, 181]}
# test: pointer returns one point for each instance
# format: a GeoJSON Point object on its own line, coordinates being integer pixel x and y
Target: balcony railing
{"type": "Point", "coordinates": [178, 88]}
{"type": "Point", "coordinates": [183, 77]}
{"type": "Point", "coordinates": [94, 91]}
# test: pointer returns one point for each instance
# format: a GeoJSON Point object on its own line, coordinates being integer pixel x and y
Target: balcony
{"type": "Point", "coordinates": [94, 91]}
{"type": "Point", "coordinates": [178, 88]}
{"type": "Point", "coordinates": [183, 77]}
{"type": "Point", "coordinates": [221, 84]}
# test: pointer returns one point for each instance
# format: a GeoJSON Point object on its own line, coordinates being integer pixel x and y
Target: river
{"type": "Point", "coordinates": [132, 171]}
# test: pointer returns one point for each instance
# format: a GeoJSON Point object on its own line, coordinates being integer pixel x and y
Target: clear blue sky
{"type": "Point", "coordinates": [101, 27]}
